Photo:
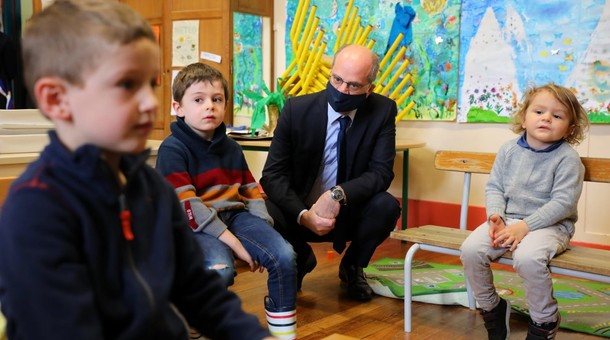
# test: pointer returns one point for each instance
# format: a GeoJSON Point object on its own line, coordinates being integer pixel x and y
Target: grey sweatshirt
{"type": "Point", "coordinates": [541, 188]}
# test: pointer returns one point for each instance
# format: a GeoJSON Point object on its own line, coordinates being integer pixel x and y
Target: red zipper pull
{"type": "Point", "coordinates": [125, 216]}
{"type": "Point", "coordinates": [126, 224]}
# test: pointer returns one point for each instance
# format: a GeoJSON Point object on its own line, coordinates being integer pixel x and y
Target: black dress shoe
{"type": "Point", "coordinates": [305, 268]}
{"type": "Point", "coordinates": [357, 287]}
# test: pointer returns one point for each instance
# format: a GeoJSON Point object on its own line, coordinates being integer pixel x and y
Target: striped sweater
{"type": "Point", "coordinates": [209, 177]}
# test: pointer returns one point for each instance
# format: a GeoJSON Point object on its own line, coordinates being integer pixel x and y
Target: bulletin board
{"type": "Point", "coordinates": [431, 39]}
{"type": "Point", "coordinates": [472, 60]}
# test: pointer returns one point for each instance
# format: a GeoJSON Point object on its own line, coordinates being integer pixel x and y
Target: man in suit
{"type": "Point", "coordinates": [323, 189]}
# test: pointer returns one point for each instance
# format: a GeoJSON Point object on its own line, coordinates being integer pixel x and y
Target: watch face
{"type": "Point", "coordinates": [337, 194]}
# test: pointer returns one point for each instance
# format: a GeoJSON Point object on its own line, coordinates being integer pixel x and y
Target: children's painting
{"type": "Point", "coordinates": [247, 61]}
{"type": "Point", "coordinates": [430, 35]}
{"type": "Point", "coordinates": [507, 46]}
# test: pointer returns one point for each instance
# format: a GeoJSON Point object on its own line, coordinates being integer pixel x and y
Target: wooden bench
{"type": "Point", "coordinates": [580, 262]}
{"type": "Point", "coordinates": [5, 183]}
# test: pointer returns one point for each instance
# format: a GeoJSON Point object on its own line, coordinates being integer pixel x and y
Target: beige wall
{"type": "Point", "coordinates": [426, 183]}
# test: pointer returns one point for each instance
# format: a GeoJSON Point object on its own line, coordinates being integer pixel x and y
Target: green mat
{"type": "Point", "coordinates": [584, 305]}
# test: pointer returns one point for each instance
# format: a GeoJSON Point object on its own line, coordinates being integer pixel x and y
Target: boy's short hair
{"type": "Point", "coordinates": [196, 73]}
{"type": "Point", "coordinates": [579, 121]}
{"type": "Point", "coordinates": [67, 38]}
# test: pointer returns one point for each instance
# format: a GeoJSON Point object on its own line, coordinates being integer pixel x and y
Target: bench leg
{"type": "Point", "coordinates": [408, 283]}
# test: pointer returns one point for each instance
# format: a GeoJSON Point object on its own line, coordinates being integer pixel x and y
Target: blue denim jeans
{"type": "Point", "coordinates": [265, 245]}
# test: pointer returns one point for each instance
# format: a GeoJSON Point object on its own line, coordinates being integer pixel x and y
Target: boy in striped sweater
{"type": "Point", "coordinates": [220, 197]}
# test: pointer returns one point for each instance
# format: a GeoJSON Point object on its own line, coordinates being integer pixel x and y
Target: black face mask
{"type": "Point", "coordinates": [342, 102]}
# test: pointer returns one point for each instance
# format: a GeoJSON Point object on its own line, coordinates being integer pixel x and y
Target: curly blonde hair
{"type": "Point", "coordinates": [579, 121]}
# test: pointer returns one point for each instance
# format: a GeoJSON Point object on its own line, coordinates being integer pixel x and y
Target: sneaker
{"type": "Point", "coordinates": [543, 331]}
{"type": "Point", "coordinates": [496, 321]}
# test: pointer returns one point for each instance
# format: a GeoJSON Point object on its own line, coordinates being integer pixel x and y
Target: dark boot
{"type": "Point", "coordinates": [357, 287]}
{"type": "Point", "coordinates": [496, 321]}
{"type": "Point", "coordinates": [543, 331]}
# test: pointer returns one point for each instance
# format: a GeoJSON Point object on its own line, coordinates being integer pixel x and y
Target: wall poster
{"type": "Point", "coordinates": [185, 42]}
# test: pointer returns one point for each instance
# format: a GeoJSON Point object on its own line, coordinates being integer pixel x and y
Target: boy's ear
{"type": "Point", "coordinates": [177, 109]}
{"type": "Point", "coordinates": [51, 97]}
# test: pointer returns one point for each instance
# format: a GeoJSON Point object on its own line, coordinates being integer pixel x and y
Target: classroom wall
{"type": "Point", "coordinates": [428, 188]}
{"type": "Point", "coordinates": [428, 185]}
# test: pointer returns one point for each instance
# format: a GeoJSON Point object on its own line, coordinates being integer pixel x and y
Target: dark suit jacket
{"type": "Point", "coordinates": [298, 146]}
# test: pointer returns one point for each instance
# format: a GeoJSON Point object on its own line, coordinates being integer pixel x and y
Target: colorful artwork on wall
{"type": "Point", "coordinates": [247, 61]}
{"type": "Point", "coordinates": [430, 29]}
{"type": "Point", "coordinates": [507, 46]}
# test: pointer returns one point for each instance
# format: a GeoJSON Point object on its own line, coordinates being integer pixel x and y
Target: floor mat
{"type": "Point", "coordinates": [584, 305]}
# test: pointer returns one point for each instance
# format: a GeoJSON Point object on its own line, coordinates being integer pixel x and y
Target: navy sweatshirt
{"type": "Point", "coordinates": [69, 271]}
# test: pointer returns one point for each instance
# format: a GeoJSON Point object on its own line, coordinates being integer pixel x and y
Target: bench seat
{"type": "Point", "coordinates": [579, 262]}
{"type": "Point", "coordinates": [580, 259]}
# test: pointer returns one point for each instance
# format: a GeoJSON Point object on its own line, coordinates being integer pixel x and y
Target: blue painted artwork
{"type": "Point", "coordinates": [247, 60]}
{"type": "Point", "coordinates": [431, 29]}
{"type": "Point", "coordinates": [403, 17]}
{"type": "Point", "coordinates": [508, 46]}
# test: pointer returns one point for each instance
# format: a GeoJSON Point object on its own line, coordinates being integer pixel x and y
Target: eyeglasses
{"type": "Point", "coordinates": [337, 81]}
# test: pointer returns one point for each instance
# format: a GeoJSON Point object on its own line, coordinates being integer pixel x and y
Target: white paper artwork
{"type": "Point", "coordinates": [185, 42]}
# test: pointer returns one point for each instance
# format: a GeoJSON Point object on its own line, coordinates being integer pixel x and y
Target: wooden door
{"type": "Point", "coordinates": [214, 21]}
{"type": "Point", "coordinates": [215, 36]}
{"type": "Point", "coordinates": [153, 11]}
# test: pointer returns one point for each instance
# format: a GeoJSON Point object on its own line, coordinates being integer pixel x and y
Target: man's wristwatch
{"type": "Point", "coordinates": [337, 194]}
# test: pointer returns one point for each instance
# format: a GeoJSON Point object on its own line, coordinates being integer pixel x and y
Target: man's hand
{"type": "Point", "coordinates": [319, 225]}
{"type": "Point", "coordinates": [326, 207]}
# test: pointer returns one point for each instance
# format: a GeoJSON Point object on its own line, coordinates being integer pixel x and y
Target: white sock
{"type": "Point", "coordinates": [282, 325]}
